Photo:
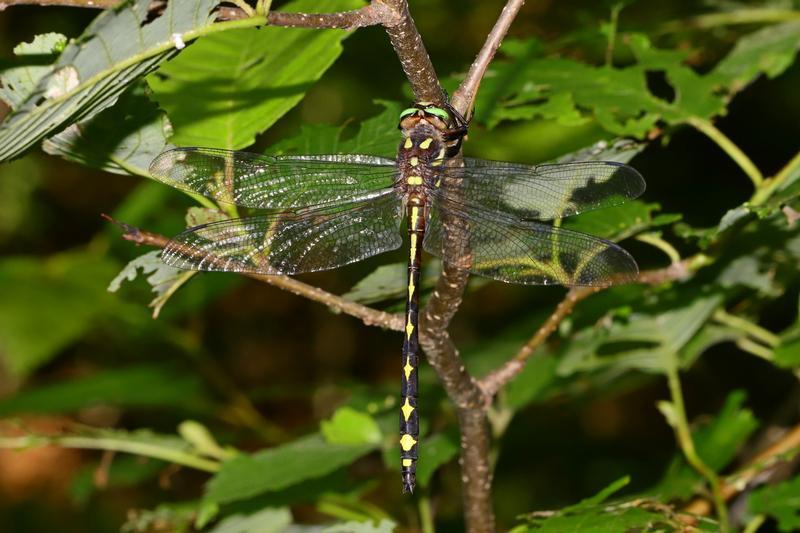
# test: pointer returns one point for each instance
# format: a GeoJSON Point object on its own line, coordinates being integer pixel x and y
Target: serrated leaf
{"type": "Point", "coordinates": [58, 295]}
{"type": "Point", "coordinates": [781, 501]}
{"type": "Point", "coordinates": [770, 50]}
{"type": "Point", "coordinates": [350, 427]}
{"type": "Point", "coordinates": [263, 521]}
{"type": "Point", "coordinates": [228, 87]}
{"type": "Point", "coordinates": [123, 139]}
{"type": "Point", "coordinates": [163, 279]}
{"type": "Point", "coordinates": [19, 79]}
{"type": "Point", "coordinates": [375, 136]}
{"type": "Point", "coordinates": [277, 468]}
{"type": "Point", "coordinates": [647, 342]}
{"type": "Point", "coordinates": [617, 98]}
{"type": "Point", "coordinates": [117, 48]}
{"type": "Point", "coordinates": [139, 386]}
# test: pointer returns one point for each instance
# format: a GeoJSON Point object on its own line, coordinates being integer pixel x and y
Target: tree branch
{"type": "Point", "coordinates": [496, 380]}
{"type": "Point", "coordinates": [410, 50]}
{"type": "Point", "coordinates": [94, 4]}
{"type": "Point", "coordinates": [373, 14]}
{"type": "Point", "coordinates": [369, 316]}
{"type": "Point", "coordinates": [464, 97]}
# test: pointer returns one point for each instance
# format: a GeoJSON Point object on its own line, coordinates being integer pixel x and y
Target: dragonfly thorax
{"type": "Point", "coordinates": [420, 155]}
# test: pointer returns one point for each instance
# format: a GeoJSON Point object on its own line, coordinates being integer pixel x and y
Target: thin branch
{"type": "Point", "coordinates": [476, 470]}
{"type": "Point", "coordinates": [371, 15]}
{"type": "Point", "coordinates": [494, 381]}
{"type": "Point", "coordinates": [464, 97]}
{"type": "Point", "coordinates": [741, 480]}
{"type": "Point", "coordinates": [94, 4]}
{"type": "Point", "coordinates": [369, 316]}
{"type": "Point", "coordinates": [410, 50]}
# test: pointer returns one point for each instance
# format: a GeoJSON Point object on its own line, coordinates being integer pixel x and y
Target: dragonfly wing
{"type": "Point", "coordinates": [541, 192]}
{"type": "Point", "coordinates": [291, 243]}
{"type": "Point", "coordinates": [272, 182]}
{"type": "Point", "coordinates": [522, 251]}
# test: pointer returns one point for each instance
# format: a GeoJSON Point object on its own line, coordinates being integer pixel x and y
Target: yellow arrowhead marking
{"type": "Point", "coordinates": [409, 143]}
{"type": "Point", "coordinates": [407, 410]}
{"type": "Point", "coordinates": [407, 442]}
{"type": "Point", "coordinates": [409, 327]}
{"type": "Point", "coordinates": [411, 288]}
{"type": "Point", "coordinates": [426, 143]}
{"type": "Point", "coordinates": [408, 462]}
{"type": "Point", "coordinates": [408, 369]}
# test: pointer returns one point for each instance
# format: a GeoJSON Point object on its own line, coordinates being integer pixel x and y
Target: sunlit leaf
{"type": "Point", "coordinates": [264, 521]}
{"type": "Point", "coordinates": [438, 450]}
{"type": "Point", "coordinates": [375, 136]}
{"type": "Point", "coordinates": [228, 87]}
{"type": "Point", "coordinates": [116, 49]}
{"type": "Point", "coordinates": [34, 61]}
{"type": "Point", "coordinates": [350, 427]}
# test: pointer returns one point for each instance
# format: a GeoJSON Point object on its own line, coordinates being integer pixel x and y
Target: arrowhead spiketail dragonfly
{"type": "Point", "coordinates": [326, 211]}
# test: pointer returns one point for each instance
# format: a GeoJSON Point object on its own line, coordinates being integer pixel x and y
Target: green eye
{"type": "Point", "coordinates": [438, 112]}
{"type": "Point", "coordinates": [409, 111]}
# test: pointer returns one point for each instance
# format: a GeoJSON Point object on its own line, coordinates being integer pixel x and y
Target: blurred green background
{"type": "Point", "coordinates": [258, 365]}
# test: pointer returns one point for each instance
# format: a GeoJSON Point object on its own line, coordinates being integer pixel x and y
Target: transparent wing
{"type": "Point", "coordinates": [272, 182]}
{"type": "Point", "coordinates": [291, 243]}
{"type": "Point", "coordinates": [526, 252]}
{"type": "Point", "coordinates": [541, 192]}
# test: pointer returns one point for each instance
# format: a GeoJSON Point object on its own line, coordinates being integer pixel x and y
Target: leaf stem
{"type": "Point", "coordinates": [654, 239]}
{"type": "Point", "coordinates": [684, 436]}
{"type": "Point", "coordinates": [612, 32]}
{"type": "Point", "coordinates": [155, 451]}
{"type": "Point", "coordinates": [771, 185]}
{"type": "Point", "coordinates": [425, 515]}
{"type": "Point", "coordinates": [244, 6]}
{"type": "Point", "coordinates": [733, 151]}
{"type": "Point", "coordinates": [752, 329]}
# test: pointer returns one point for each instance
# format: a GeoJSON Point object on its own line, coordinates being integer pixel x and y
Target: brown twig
{"type": "Point", "coordinates": [464, 97]}
{"type": "Point", "coordinates": [496, 380]}
{"type": "Point", "coordinates": [373, 14]}
{"type": "Point", "coordinates": [737, 483]}
{"type": "Point", "coordinates": [369, 316]}
{"type": "Point", "coordinates": [94, 4]}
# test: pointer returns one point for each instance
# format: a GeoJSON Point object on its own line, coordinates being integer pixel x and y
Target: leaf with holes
{"type": "Point", "coordinates": [117, 48]}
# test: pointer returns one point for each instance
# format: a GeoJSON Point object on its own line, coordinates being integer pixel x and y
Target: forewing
{"type": "Point", "coordinates": [541, 192]}
{"type": "Point", "coordinates": [273, 182]}
{"type": "Point", "coordinates": [526, 252]}
{"type": "Point", "coordinates": [291, 243]}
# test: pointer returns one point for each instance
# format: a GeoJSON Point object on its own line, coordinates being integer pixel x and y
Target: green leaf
{"type": "Point", "coordinates": [264, 521]}
{"type": "Point", "coordinates": [117, 48]}
{"type": "Point", "coordinates": [436, 451]}
{"type": "Point", "coordinates": [350, 427]}
{"type": "Point", "coordinates": [275, 469]}
{"type": "Point", "coordinates": [164, 279]}
{"type": "Point", "coordinates": [595, 516]}
{"type": "Point", "coordinates": [384, 526]}
{"type": "Point", "coordinates": [618, 98]}
{"type": "Point", "coordinates": [717, 443]}
{"type": "Point", "coordinates": [389, 282]}
{"type": "Point", "coordinates": [229, 87]}
{"type": "Point", "coordinates": [148, 386]}
{"type": "Point", "coordinates": [770, 50]}
{"type": "Point", "coordinates": [123, 139]}
{"type": "Point", "coordinates": [781, 501]}
{"type": "Point", "coordinates": [644, 341]}
{"type": "Point", "coordinates": [58, 295]}
{"type": "Point", "coordinates": [19, 79]}
{"type": "Point", "coordinates": [375, 136]}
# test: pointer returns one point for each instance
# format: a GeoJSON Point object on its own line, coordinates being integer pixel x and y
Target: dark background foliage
{"type": "Point", "coordinates": [259, 366]}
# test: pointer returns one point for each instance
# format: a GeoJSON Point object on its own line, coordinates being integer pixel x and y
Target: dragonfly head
{"type": "Point", "coordinates": [437, 116]}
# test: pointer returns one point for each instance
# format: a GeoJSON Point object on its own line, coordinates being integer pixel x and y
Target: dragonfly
{"type": "Point", "coordinates": [322, 212]}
